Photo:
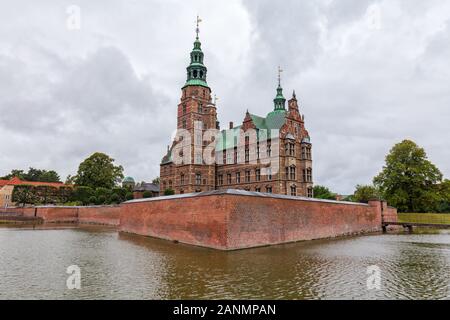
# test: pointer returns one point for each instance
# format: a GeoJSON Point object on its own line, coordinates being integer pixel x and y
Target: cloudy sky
{"type": "Point", "coordinates": [368, 73]}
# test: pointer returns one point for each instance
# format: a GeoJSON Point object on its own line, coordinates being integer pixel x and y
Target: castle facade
{"type": "Point", "coordinates": [270, 154]}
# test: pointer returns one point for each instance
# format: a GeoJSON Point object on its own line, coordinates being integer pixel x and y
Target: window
{"type": "Point", "coordinates": [198, 179]}
{"type": "Point", "coordinates": [306, 153]}
{"type": "Point", "coordinates": [310, 192]}
{"type": "Point", "coordinates": [182, 178]}
{"type": "Point", "coordinates": [269, 174]}
{"type": "Point", "coordinates": [257, 151]}
{"type": "Point", "coordinates": [287, 173]}
{"type": "Point", "coordinates": [229, 178]}
{"type": "Point", "coordinates": [247, 176]}
{"type": "Point", "coordinates": [198, 158]}
{"type": "Point", "coordinates": [269, 149]}
{"type": "Point", "coordinates": [229, 156]}
{"type": "Point", "coordinates": [200, 108]}
{"type": "Point", "coordinates": [257, 189]}
{"type": "Point", "coordinates": [247, 155]}
{"type": "Point", "coordinates": [258, 174]}
{"type": "Point", "coordinates": [184, 124]}
{"type": "Point", "coordinates": [292, 172]}
{"type": "Point", "coordinates": [235, 155]}
{"type": "Point", "coordinates": [293, 190]}
{"type": "Point", "coordinates": [184, 108]}
{"type": "Point", "coordinates": [292, 149]}
{"type": "Point", "coordinates": [220, 179]}
{"type": "Point", "coordinates": [307, 175]}
{"type": "Point", "coordinates": [238, 177]}
{"type": "Point", "coordinates": [269, 189]}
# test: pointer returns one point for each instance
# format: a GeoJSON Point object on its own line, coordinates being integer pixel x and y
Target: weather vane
{"type": "Point", "coordinates": [279, 75]}
{"type": "Point", "coordinates": [197, 30]}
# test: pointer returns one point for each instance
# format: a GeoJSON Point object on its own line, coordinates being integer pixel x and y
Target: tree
{"type": "Point", "coordinates": [83, 195]}
{"type": "Point", "coordinates": [34, 175]}
{"type": "Point", "coordinates": [99, 171]}
{"type": "Point", "coordinates": [156, 180]}
{"type": "Point", "coordinates": [408, 178]}
{"type": "Point", "coordinates": [364, 193]}
{"type": "Point", "coordinates": [321, 192]}
{"type": "Point", "coordinates": [443, 189]}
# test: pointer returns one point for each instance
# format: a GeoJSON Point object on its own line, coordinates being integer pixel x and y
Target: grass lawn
{"type": "Point", "coordinates": [436, 218]}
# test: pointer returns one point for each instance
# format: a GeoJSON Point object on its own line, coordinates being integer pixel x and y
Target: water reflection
{"type": "Point", "coordinates": [123, 266]}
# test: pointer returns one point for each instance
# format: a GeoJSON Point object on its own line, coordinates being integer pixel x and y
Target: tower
{"type": "Point", "coordinates": [187, 167]}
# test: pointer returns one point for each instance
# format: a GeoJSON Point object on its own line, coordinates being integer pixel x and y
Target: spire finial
{"type": "Point", "coordinates": [279, 76]}
{"type": "Point", "coordinates": [294, 95]}
{"type": "Point", "coordinates": [197, 30]}
{"type": "Point", "coordinates": [215, 98]}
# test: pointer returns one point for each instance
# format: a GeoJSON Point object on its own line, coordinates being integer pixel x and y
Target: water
{"type": "Point", "coordinates": [33, 265]}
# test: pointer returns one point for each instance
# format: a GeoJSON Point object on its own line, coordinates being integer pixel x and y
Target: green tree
{"type": "Point", "coordinates": [83, 195]}
{"type": "Point", "coordinates": [99, 171]}
{"type": "Point", "coordinates": [156, 180]}
{"type": "Point", "coordinates": [24, 194]}
{"type": "Point", "coordinates": [408, 178]}
{"type": "Point", "coordinates": [364, 193]}
{"type": "Point", "coordinates": [34, 175]}
{"type": "Point", "coordinates": [321, 192]}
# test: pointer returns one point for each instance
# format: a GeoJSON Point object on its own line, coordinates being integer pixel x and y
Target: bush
{"type": "Point", "coordinates": [169, 192]}
{"type": "Point", "coordinates": [114, 199]}
{"type": "Point", "coordinates": [83, 195]}
{"type": "Point", "coordinates": [92, 200]}
{"type": "Point", "coordinates": [146, 194]}
{"type": "Point", "coordinates": [129, 196]}
{"type": "Point", "coordinates": [101, 200]}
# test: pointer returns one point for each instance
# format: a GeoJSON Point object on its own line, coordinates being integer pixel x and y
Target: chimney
{"type": "Point", "coordinates": [231, 124]}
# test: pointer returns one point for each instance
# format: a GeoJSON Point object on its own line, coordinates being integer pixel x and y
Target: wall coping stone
{"type": "Point", "coordinates": [241, 193]}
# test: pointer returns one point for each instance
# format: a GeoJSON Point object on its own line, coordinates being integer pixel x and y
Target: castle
{"type": "Point", "coordinates": [269, 154]}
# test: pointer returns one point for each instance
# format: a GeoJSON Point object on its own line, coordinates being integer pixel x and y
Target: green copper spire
{"type": "Point", "coordinates": [279, 100]}
{"type": "Point", "coordinates": [196, 71]}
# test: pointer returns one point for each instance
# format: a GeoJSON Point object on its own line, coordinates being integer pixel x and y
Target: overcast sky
{"type": "Point", "coordinates": [368, 74]}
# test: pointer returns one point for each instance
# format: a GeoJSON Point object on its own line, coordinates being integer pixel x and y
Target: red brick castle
{"type": "Point", "coordinates": [269, 154]}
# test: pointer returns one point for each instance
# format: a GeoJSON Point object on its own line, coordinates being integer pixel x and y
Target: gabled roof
{"type": "Point", "coordinates": [147, 187]}
{"type": "Point", "coordinates": [16, 182]}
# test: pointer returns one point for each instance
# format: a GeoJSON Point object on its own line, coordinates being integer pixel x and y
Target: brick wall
{"type": "Point", "coordinates": [106, 215]}
{"type": "Point", "coordinates": [238, 219]}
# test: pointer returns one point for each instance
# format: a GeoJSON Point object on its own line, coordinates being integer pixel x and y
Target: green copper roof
{"type": "Point", "coordinates": [274, 121]}
{"type": "Point", "coordinates": [128, 179]}
{"type": "Point", "coordinates": [196, 71]}
{"type": "Point", "coordinates": [279, 101]}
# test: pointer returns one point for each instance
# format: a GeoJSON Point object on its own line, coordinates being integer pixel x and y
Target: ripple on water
{"type": "Point", "coordinates": [34, 262]}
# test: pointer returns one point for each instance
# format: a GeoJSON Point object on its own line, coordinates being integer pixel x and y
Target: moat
{"type": "Point", "coordinates": [33, 263]}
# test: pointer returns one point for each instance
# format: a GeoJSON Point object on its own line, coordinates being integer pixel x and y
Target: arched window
{"type": "Point", "coordinates": [182, 178]}
{"type": "Point", "coordinates": [195, 73]}
{"type": "Point", "coordinates": [292, 173]}
{"type": "Point", "coordinates": [293, 190]}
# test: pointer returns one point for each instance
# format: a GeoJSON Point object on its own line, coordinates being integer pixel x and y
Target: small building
{"type": "Point", "coordinates": [145, 188]}
{"type": "Point", "coordinates": [7, 189]}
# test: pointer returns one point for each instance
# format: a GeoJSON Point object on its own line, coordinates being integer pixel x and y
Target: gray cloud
{"type": "Point", "coordinates": [368, 74]}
